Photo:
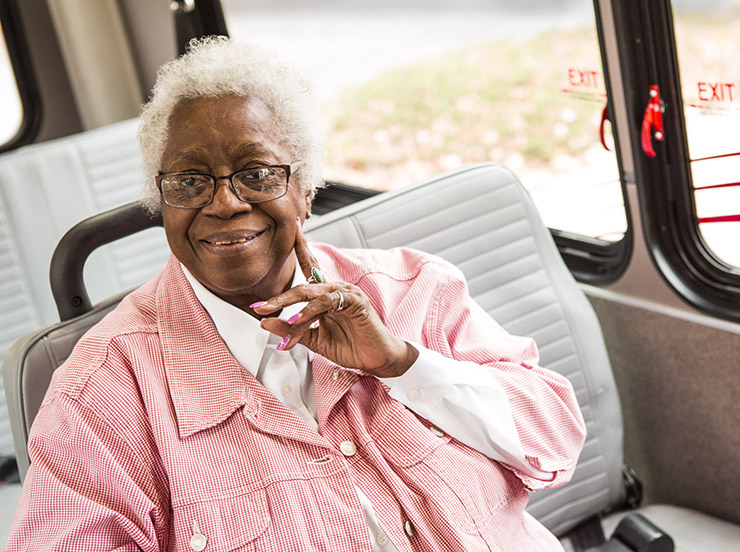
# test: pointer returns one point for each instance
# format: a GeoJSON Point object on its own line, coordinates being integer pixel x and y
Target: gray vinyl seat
{"type": "Point", "coordinates": [46, 188]}
{"type": "Point", "coordinates": [482, 220]}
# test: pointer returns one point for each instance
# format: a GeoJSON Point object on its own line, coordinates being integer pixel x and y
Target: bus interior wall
{"type": "Point", "coordinates": [677, 369]}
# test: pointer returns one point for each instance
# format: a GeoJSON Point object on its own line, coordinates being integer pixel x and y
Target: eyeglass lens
{"type": "Point", "coordinates": [254, 185]}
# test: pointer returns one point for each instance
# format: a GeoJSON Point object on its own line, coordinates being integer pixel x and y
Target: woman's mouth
{"type": "Point", "coordinates": [232, 242]}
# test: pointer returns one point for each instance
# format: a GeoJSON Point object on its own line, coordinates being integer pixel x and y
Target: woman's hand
{"type": "Point", "coordinates": [338, 323]}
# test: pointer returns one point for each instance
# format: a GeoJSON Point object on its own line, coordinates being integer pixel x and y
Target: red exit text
{"type": "Point", "coordinates": [716, 91]}
{"type": "Point", "coordinates": [585, 78]}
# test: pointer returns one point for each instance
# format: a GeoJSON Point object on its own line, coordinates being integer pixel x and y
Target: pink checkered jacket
{"type": "Point", "coordinates": [152, 437]}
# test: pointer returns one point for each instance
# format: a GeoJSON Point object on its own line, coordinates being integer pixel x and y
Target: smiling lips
{"type": "Point", "coordinates": [228, 241]}
{"type": "Point", "coordinates": [242, 240]}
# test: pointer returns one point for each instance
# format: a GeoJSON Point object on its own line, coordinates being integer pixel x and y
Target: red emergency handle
{"type": "Point", "coordinates": [652, 120]}
{"type": "Point", "coordinates": [604, 120]}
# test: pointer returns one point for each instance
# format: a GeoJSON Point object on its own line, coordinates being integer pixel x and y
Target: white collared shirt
{"type": "Point", "coordinates": [467, 404]}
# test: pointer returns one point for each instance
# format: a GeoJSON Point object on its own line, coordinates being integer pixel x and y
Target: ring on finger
{"type": "Point", "coordinates": [316, 277]}
{"type": "Point", "coordinates": [340, 304]}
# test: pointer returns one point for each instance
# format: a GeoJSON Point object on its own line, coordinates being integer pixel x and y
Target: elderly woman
{"type": "Point", "coordinates": [261, 394]}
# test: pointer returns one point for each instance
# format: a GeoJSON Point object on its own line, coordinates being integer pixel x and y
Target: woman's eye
{"type": "Point", "coordinates": [260, 173]}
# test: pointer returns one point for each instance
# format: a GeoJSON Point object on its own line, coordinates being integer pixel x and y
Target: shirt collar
{"type": "Point", "coordinates": [241, 332]}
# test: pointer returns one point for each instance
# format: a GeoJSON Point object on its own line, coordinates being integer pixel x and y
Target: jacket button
{"type": "Point", "coordinates": [348, 448]}
{"type": "Point", "coordinates": [198, 542]}
{"type": "Point", "coordinates": [438, 432]}
{"type": "Point", "coordinates": [409, 528]}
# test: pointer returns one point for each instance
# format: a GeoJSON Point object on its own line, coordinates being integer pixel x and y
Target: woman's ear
{"type": "Point", "coordinates": [308, 199]}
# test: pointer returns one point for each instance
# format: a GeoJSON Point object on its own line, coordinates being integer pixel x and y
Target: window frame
{"type": "Point", "coordinates": [591, 260]}
{"type": "Point", "coordinates": [20, 60]}
{"type": "Point", "coordinates": [648, 55]}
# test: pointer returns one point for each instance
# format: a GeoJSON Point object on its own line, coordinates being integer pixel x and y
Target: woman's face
{"type": "Point", "coordinates": [241, 252]}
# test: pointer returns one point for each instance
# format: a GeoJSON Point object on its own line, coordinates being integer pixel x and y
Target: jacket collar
{"type": "Point", "coordinates": [206, 383]}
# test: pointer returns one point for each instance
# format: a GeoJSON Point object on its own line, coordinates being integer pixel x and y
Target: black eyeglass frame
{"type": "Point", "coordinates": [287, 168]}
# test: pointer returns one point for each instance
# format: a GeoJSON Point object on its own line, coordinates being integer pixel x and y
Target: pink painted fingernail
{"type": "Point", "coordinates": [315, 324]}
{"type": "Point", "coordinates": [257, 304]}
{"type": "Point", "coordinates": [293, 319]}
{"type": "Point", "coordinates": [262, 321]}
{"type": "Point", "coordinates": [283, 343]}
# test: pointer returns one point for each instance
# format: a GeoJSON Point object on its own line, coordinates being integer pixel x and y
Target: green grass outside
{"type": "Point", "coordinates": [483, 103]}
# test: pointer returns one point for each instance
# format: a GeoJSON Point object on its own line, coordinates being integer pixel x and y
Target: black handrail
{"type": "Point", "coordinates": [70, 255]}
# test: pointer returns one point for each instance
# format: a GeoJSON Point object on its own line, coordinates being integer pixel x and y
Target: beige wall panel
{"type": "Point", "coordinates": [98, 59]}
{"type": "Point", "coordinates": [679, 382]}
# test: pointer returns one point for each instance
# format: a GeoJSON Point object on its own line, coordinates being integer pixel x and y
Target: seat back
{"type": "Point", "coordinates": [482, 220]}
{"type": "Point", "coordinates": [45, 188]}
{"type": "Point", "coordinates": [28, 367]}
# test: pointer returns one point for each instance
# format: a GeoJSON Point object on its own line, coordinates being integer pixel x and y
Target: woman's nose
{"type": "Point", "coordinates": [225, 204]}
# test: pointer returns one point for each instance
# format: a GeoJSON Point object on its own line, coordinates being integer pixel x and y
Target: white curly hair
{"type": "Point", "coordinates": [218, 66]}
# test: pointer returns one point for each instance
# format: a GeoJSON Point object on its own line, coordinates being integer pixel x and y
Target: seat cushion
{"type": "Point", "coordinates": [690, 530]}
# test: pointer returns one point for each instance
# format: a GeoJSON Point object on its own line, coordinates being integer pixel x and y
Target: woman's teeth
{"type": "Point", "coordinates": [232, 242]}
{"type": "Point", "coordinates": [237, 241]}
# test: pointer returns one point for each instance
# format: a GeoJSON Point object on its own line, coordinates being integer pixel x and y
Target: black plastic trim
{"type": "Point", "coordinates": [664, 184]}
{"type": "Point", "coordinates": [336, 195]}
{"type": "Point", "coordinates": [591, 260]}
{"type": "Point", "coordinates": [207, 18]}
{"type": "Point", "coordinates": [20, 60]}
{"type": "Point", "coordinates": [72, 251]}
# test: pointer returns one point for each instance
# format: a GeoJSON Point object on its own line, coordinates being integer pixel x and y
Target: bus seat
{"type": "Point", "coordinates": [49, 187]}
{"type": "Point", "coordinates": [481, 219]}
{"type": "Point", "coordinates": [46, 188]}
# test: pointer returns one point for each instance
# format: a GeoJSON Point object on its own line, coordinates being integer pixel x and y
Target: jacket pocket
{"type": "Point", "coordinates": [221, 525]}
{"type": "Point", "coordinates": [463, 487]}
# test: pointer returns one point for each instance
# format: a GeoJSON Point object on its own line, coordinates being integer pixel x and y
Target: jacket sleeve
{"type": "Point", "coordinates": [541, 403]}
{"type": "Point", "coordinates": [87, 487]}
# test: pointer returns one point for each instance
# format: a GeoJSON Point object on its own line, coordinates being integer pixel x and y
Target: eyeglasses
{"type": "Point", "coordinates": [252, 185]}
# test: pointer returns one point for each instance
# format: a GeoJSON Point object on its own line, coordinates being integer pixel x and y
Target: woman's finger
{"type": "Point", "coordinates": [289, 335]}
{"type": "Point", "coordinates": [306, 260]}
{"type": "Point", "coordinates": [325, 304]}
{"type": "Point", "coordinates": [295, 328]}
{"type": "Point", "coordinates": [298, 294]}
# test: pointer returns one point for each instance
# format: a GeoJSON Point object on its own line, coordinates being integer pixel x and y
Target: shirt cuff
{"type": "Point", "coordinates": [466, 401]}
{"type": "Point", "coordinates": [425, 378]}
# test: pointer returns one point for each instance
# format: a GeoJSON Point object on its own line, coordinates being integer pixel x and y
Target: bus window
{"type": "Point", "coordinates": [706, 38]}
{"type": "Point", "coordinates": [11, 114]}
{"type": "Point", "coordinates": [411, 91]}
